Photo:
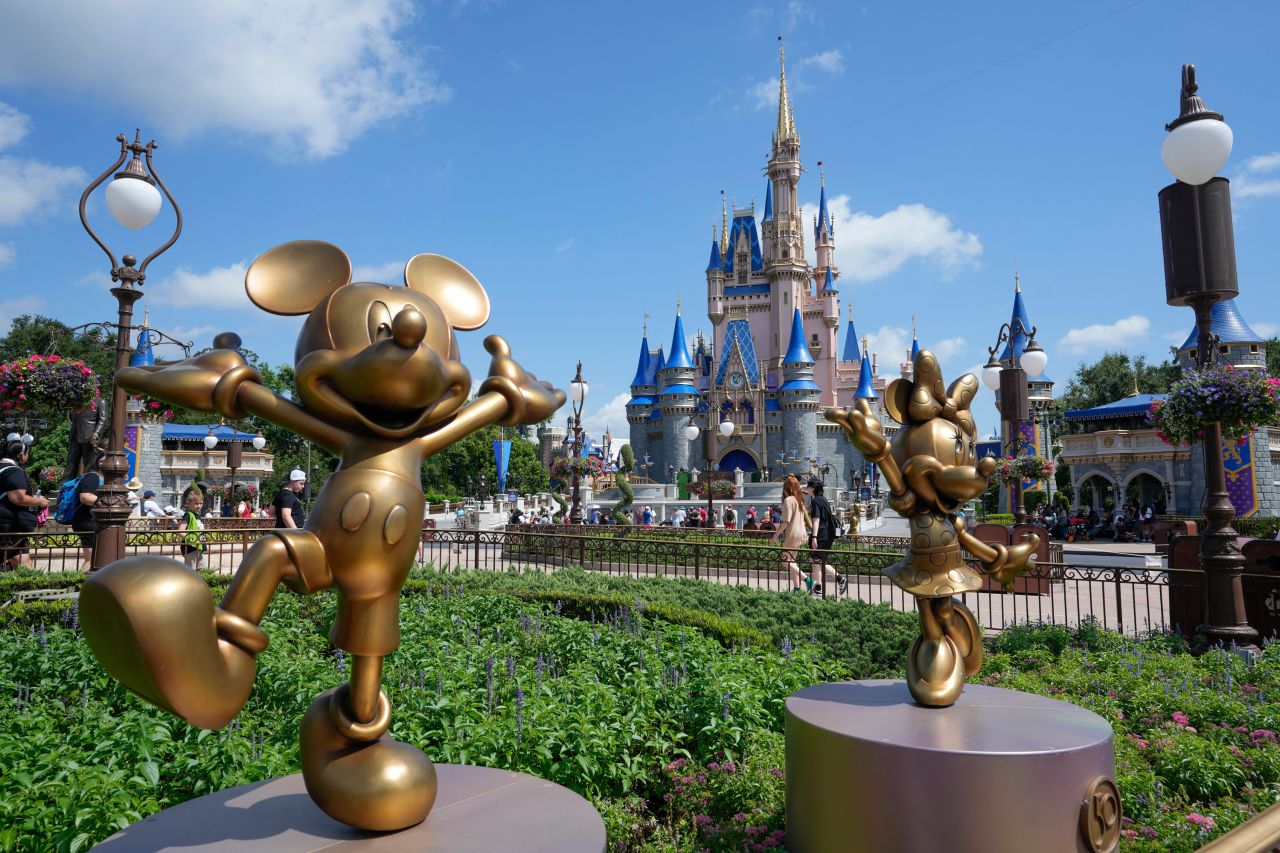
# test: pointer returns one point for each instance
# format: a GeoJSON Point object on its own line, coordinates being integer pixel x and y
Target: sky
{"type": "Point", "coordinates": [572, 156]}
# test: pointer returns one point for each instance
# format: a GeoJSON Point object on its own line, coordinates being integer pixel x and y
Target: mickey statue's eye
{"type": "Point", "coordinates": [379, 322]}
{"type": "Point", "coordinates": [959, 447]}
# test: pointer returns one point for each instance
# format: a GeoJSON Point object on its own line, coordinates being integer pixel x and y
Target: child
{"type": "Point", "coordinates": [192, 546]}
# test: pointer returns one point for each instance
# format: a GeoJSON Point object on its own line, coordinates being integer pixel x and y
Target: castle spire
{"type": "Point", "coordinates": [642, 366]}
{"type": "Point", "coordinates": [724, 227]}
{"type": "Point", "coordinates": [768, 202]}
{"type": "Point", "coordinates": [1019, 324]}
{"type": "Point", "coordinates": [786, 131]}
{"type": "Point", "coordinates": [851, 352]}
{"type": "Point", "coordinates": [679, 346]}
{"type": "Point", "coordinates": [797, 351]}
{"type": "Point", "coordinates": [915, 340]}
{"type": "Point", "coordinates": [866, 389]}
{"type": "Point", "coordinates": [716, 262]}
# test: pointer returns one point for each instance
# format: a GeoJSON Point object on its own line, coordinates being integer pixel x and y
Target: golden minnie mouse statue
{"type": "Point", "coordinates": [379, 384]}
{"type": "Point", "coordinates": [932, 469]}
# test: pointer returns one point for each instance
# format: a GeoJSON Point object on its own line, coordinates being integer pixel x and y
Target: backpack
{"type": "Point", "coordinates": [68, 501]}
{"type": "Point", "coordinates": [826, 519]}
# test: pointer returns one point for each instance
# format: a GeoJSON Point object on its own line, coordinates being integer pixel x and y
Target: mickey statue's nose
{"type": "Point", "coordinates": [409, 327]}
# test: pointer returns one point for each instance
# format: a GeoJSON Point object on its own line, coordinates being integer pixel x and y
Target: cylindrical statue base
{"type": "Point", "coordinates": [477, 809]}
{"type": "Point", "coordinates": [870, 770]}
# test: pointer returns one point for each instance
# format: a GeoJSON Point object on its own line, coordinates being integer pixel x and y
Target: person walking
{"type": "Point", "coordinates": [289, 508]}
{"type": "Point", "coordinates": [18, 506]}
{"type": "Point", "coordinates": [824, 534]}
{"type": "Point", "coordinates": [794, 531]}
{"type": "Point", "coordinates": [82, 522]}
{"type": "Point", "coordinates": [151, 509]}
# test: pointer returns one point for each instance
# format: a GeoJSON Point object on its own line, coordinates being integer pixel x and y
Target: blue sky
{"type": "Point", "coordinates": [572, 156]}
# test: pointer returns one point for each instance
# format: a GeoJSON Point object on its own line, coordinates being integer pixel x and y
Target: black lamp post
{"type": "Point", "coordinates": [134, 202]}
{"type": "Point", "coordinates": [577, 396]}
{"type": "Point", "coordinates": [1010, 382]}
{"type": "Point", "coordinates": [725, 428]}
{"type": "Point", "coordinates": [1199, 271]}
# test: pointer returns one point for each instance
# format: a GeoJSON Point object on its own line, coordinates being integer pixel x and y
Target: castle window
{"type": "Point", "coordinates": [1253, 348]}
{"type": "Point", "coordinates": [742, 276]}
{"type": "Point", "coordinates": [1224, 350]}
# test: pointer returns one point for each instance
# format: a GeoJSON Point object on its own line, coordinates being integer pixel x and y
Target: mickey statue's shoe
{"type": "Point", "coordinates": [151, 623]}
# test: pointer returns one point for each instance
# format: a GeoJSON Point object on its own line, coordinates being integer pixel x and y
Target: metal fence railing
{"type": "Point", "coordinates": [1124, 599]}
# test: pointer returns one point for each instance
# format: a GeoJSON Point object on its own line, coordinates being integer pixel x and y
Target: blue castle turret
{"type": "Point", "coordinates": [644, 394]}
{"type": "Point", "coordinates": [866, 387]}
{"type": "Point", "coordinates": [677, 399]}
{"type": "Point", "coordinates": [798, 397]}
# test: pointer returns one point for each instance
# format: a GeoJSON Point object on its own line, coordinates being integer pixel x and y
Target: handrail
{"type": "Point", "coordinates": [1258, 834]}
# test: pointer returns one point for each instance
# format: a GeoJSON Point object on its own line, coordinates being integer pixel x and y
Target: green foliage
{"type": "Point", "coordinates": [1195, 738]}
{"type": "Point", "coordinates": [620, 513]}
{"type": "Point", "coordinates": [1273, 356]}
{"type": "Point", "coordinates": [36, 334]}
{"type": "Point", "coordinates": [603, 708]}
{"type": "Point", "coordinates": [562, 506]}
{"type": "Point", "coordinates": [1111, 378]}
{"type": "Point", "coordinates": [864, 640]}
{"type": "Point", "coordinates": [449, 471]}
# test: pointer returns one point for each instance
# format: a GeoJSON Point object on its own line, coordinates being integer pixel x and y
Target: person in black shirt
{"type": "Point", "coordinates": [82, 522]}
{"type": "Point", "coordinates": [18, 507]}
{"type": "Point", "coordinates": [288, 506]}
{"type": "Point", "coordinates": [824, 534]}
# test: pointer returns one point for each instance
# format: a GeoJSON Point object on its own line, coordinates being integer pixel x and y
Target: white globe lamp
{"type": "Point", "coordinates": [133, 200]}
{"type": "Point", "coordinates": [726, 428]}
{"type": "Point", "coordinates": [991, 374]}
{"type": "Point", "coordinates": [691, 432]}
{"type": "Point", "coordinates": [1034, 360]}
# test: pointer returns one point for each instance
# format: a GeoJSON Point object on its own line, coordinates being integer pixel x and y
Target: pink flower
{"type": "Point", "coordinates": [1180, 718]}
{"type": "Point", "coordinates": [703, 820]}
{"type": "Point", "coordinates": [1200, 820]}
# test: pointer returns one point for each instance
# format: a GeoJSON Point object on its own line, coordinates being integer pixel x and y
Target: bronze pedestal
{"type": "Point", "coordinates": [870, 771]}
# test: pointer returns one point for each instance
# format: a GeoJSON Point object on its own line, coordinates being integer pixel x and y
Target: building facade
{"type": "Point", "coordinates": [1116, 457]}
{"type": "Point", "coordinates": [774, 359]}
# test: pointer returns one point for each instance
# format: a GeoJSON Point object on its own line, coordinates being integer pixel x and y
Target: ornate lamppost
{"type": "Point", "coordinates": [134, 202]}
{"type": "Point", "coordinates": [1010, 383]}
{"type": "Point", "coordinates": [691, 432]}
{"type": "Point", "coordinates": [1199, 271]}
{"type": "Point", "coordinates": [577, 395]}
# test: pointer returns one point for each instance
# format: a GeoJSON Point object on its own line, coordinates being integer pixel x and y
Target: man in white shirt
{"type": "Point", "coordinates": [150, 509]}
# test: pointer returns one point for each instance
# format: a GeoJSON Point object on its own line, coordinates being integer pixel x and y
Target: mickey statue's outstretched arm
{"type": "Point", "coordinates": [220, 380]}
{"type": "Point", "coordinates": [511, 396]}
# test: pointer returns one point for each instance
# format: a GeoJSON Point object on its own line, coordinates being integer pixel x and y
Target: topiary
{"type": "Point", "coordinates": [621, 511]}
{"type": "Point", "coordinates": [563, 507]}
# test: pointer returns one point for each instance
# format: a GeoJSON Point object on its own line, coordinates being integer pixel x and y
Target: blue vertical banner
{"type": "Point", "coordinates": [1242, 483]}
{"type": "Point", "coordinates": [132, 439]}
{"type": "Point", "coordinates": [501, 457]}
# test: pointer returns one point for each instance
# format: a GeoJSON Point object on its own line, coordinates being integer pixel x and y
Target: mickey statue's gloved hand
{"type": "Point", "coordinates": [529, 401]}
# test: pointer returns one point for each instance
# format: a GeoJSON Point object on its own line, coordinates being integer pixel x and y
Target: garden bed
{"type": "Point", "coordinates": [660, 700]}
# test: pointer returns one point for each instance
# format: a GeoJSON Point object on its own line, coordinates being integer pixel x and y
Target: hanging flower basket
{"type": "Point", "coordinates": [720, 489]}
{"type": "Point", "coordinates": [46, 383]}
{"type": "Point", "coordinates": [562, 469]}
{"type": "Point", "coordinates": [1240, 400]}
{"type": "Point", "coordinates": [1012, 470]}
{"type": "Point", "coordinates": [155, 409]}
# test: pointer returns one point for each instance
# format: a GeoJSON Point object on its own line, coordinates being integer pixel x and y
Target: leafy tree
{"type": "Point", "coordinates": [1113, 377]}
{"type": "Point", "coordinates": [1273, 356]}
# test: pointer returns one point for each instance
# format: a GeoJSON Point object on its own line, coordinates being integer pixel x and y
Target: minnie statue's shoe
{"type": "Point", "coordinates": [151, 623]}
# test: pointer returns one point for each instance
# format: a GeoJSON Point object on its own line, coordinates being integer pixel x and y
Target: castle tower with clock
{"type": "Point", "coordinates": [774, 360]}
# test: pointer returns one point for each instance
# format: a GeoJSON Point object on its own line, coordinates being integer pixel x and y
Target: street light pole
{"type": "Point", "coordinates": [1011, 383]}
{"type": "Point", "coordinates": [1199, 271]}
{"type": "Point", "coordinates": [134, 202]}
{"type": "Point", "coordinates": [577, 395]}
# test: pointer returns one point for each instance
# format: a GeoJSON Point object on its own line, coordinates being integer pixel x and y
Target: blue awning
{"type": "Point", "coordinates": [197, 432]}
{"type": "Point", "coordinates": [1134, 404]}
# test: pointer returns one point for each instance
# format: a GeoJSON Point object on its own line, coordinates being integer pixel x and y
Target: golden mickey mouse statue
{"type": "Point", "coordinates": [932, 469]}
{"type": "Point", "coordinates": [378, 383]}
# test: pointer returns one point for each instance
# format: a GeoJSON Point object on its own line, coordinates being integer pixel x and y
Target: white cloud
{"type": "Point", "coordinates": [29, 188]}
{"type": "Point", "coordinates": [309, 76]}
{"type": "Point", "coordinates": [764, 95]}
{"type": "Point", "coordinates": [392, 272]}
{"type": "Point", "coordinates": [198, 336]}
{"type": "Point", "coordinates": [7, 255]}
{"type": "Point", "coordinates": [220, 287]}
{"type": "Point", "coordinates": [1121, 334]}
{"type": "Point", "coordinates": [947, 348]}
{"type": "Point", "coordinates": [611, 415]}
{"type": "Point", "coordinates": [11, 308]}
{"type": "Point", "coordinates": [830, 61]}
{"type": "Point", "coordinates": [565, 246]}
{"type": "Point", "coordinates": [871, 247]}
{"type": "Point", "coordinates": [1267, 330]}
{"type": "Point", "coordinates": [13, 125]}
{"type": "Point", "coordinates": [1248, 184]}
{"type": "Point", "coordinates": [893, 345]}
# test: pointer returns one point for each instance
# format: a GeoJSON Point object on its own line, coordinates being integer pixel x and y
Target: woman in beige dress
{"type": "Point", "coordinates": [794, 530]}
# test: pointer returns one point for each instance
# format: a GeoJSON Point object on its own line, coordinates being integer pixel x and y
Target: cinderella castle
{"type": "Point", "coordinates": [774, 359]}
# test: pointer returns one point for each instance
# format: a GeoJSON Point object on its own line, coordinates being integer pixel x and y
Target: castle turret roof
{"type": "Point", "coordinates": [642, 365]}
{"type": "Point", "coordinates": [716, 262]}
{"type": "Point", "coordinates": [768, 202]}
{"type": "Point", "coordinates": [851, 352]}
{"type": "Point", "coordinates": [1228, 325]}
{"type": "Point", "coordinates": [866, 389]}
{"type": "Point", "coordinates": [679, 347]}
{"type": "Point", "coordinates": [797, 351]}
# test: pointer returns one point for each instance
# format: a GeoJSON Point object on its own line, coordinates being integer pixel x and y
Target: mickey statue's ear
{"type": "Point", "coordinates": [452, 287]}
{"type": "Point", "coordinates": [295, 277]}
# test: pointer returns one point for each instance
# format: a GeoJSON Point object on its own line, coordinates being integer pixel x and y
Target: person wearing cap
{"type": "Point", "coordinates": [822, 535]}
{"type": "Point", "coordinates": [151, 509]}
{"type": "Point", "coordinates": [135, 503]}
{"type": "Point", "coordinates": [288, 506]}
